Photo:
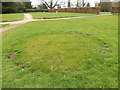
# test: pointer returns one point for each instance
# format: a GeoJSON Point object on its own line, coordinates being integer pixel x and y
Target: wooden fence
{"type": "Point", "coordinates": [78, 10]}
{"type": "Point", "coordinates": [115, 10]}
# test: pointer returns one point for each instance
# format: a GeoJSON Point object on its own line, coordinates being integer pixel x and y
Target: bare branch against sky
{"type": "Point", "coordinates": [92, 2]}
{"type": "Point", "coordinates": [16, 0]}
{"type": "Point", "coordinates": [50, 4]}
{"type": "Point", "coordinates": [36, 2]}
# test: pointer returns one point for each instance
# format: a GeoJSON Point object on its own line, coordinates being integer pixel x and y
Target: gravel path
{"type": "Point", "coordinates": [28, 18]}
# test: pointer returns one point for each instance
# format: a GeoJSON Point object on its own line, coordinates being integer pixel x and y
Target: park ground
{"type": "Point", "coordinates": [72, 53]}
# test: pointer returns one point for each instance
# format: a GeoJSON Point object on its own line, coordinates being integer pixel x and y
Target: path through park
{"type": "Point", "coordinates": [28, 18]}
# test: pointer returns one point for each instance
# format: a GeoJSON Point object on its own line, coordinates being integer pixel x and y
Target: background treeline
{"type": "Point", "coordinates": [15, 7]}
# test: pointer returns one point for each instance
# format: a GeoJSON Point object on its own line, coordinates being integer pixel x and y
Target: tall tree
{"type": "Point", "coordinates": [78, 3]}
{"type": "Point", "coordinates": [88, 4]}
{"type": "Point", "coordinates": [15, 7]}
{"type": "Point", "coordinates": [50, 4]}
{"type": "Point", "coordinates": [42, 6]}
{"type": "Point", "coordinates": [97, 4]}
{"type": "Point", "coordinates": [27, 5]}
{"type": "Point", "coordinates": [8, 7]}
{"type": "Point", "coordinates": [69, 3]}
{"type": "Point", "coordinates": [83, 3]}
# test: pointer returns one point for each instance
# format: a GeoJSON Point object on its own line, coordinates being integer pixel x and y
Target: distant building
{"type": "Point", "coordinates": [106, 5]}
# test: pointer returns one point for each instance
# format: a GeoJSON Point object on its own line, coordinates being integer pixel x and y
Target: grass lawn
{"type": "Point", "coordinates": [12, 17]}
{"type": "Point", "coordinates": [74, 53]}
{"type": "Point", "coordinates": [47, 15]}
{"type": "Point", "coordinates": [3, 25]}
{"type": "Point", "coordinates": [105, 12]}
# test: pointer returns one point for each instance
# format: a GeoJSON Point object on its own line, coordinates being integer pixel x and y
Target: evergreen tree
{"type": "Point", "coordinates": [15, 7]}
{"type": "Point", "coordinates": [69, 3]}
{"type": "Point", "coordinates": [88, 4]}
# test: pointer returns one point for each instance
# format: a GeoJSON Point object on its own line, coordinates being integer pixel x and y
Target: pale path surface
{"type": "Point", "coordinates": [28, 18]}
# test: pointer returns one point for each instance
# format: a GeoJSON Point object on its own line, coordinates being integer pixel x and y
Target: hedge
{"type": "Point", "coordinates": [78, 9]}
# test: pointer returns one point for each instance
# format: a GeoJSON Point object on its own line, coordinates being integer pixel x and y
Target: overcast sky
{"type": "Point", "coordinates": [92, 2]}
{"type": "Point", "coordinates": [36, 2]}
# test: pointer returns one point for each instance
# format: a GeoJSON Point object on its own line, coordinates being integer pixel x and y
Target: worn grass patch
{"type": "Point", "coordinates": [48, 15]}
{"type": "Point", "coordinates": [75, 53]}
{"type": "Point", "coordinates": [12, 17]}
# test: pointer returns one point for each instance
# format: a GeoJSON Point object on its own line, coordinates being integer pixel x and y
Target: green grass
{"type": "Point", "coordinates": [105, 12]}
{"type": "Point", "coordinates": [47, 15]}
{"type": "Point", "coordinates": [75, 53]}
{"type": "Point", "coordinates": [3, 25]}
{"type": "Point", "coordinates": [12, 17]}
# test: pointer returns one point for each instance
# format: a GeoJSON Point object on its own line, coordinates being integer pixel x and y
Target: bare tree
{"type": "Point", "coordinates": [42, 6]}
{"type": "Point", "coordinates": [78, 3]}
{"type": "Point", "coordinates": [50, 4]}
{"type": "Point", "coordinates": [97, 4]}
{"type": "Point", "coordinates": [83, 3]}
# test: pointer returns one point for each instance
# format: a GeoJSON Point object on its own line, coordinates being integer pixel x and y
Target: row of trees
{"type": "Point", "coordinates": [50, 4]}
{"type": "Point", "coordinates": [15, 7]}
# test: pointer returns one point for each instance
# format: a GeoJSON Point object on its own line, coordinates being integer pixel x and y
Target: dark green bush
{"type": "Point", "coordinates": [15, 7]}
{"type": "Point", "coordinates": [8, 10]}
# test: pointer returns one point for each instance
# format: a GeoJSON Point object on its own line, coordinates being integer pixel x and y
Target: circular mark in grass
{"type": "Point", "coordinates": [64, 52]}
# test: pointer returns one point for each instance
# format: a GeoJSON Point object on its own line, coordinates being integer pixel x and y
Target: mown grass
{"type": "Point", "coordinates": [3, 25]}
{"type": "Point", "coordinates": [75, 53]}
{"type": "Point", "coordinates": [105, 12]}
{"type": "Point", "coordinates": [12, 17]}
{"type": "Point", "coordinates": [48, 15]}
